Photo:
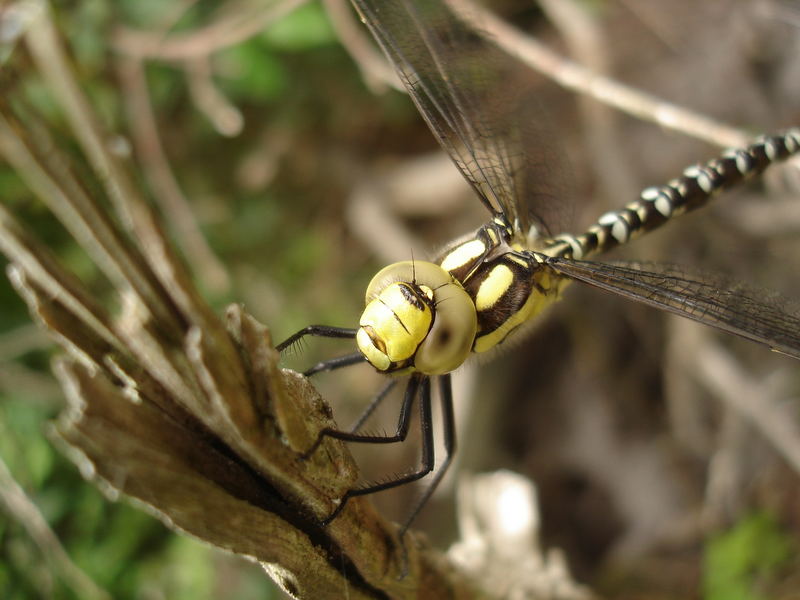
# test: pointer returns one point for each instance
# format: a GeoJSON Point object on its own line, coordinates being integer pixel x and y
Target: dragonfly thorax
{"type": "Point", "coordinates": [508, 284]}
{"type": "Point", "coordinates": [417, 318]}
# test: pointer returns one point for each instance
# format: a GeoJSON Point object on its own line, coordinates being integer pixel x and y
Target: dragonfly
{"type": "Point", "coordinates": [425, 319]}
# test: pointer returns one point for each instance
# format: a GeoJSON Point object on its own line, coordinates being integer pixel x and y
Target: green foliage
{"type": "Point", "coordinates": [21, 441]}
{"type": "Point", "coordinates": [741, 561]}
{"type": "Point", "coordinates": [250, 71]}
{"type": "Point", "coordinates": [91, 47]}
{"type": "Point", "coordinates": [304, 29]}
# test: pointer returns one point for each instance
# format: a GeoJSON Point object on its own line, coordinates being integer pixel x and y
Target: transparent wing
{"type": "Point", "coordinates": [758, 315]}
{"type": "Point", "coordinates": [476, 99]}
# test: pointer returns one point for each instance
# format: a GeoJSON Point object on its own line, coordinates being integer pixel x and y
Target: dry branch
{"type": "Point", "coordinates": [202, 427]}
{"type": "Point", "coordinates": [209, 434]}
{"type": "Point", "coordinates": [591, 84]}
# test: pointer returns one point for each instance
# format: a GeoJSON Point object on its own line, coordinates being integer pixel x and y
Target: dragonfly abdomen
{"type": "Point", "coordinates": [693, 189]}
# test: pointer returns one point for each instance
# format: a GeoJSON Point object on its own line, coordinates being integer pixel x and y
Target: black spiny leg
{"type": "Point", "coordinates": [403, 422]}
{"type": "Point", "coordinates": [417, 384]}
{"type": "Point", "coordinates": [329, 332]}
{"type": "Point", "coordinates": [335, 363]}
{"type": "Point", "coordinates": [376, 401]}
{"type": "Point", "coordinates": [317, 331]}
{"type": "Point", "coordinates": [449, 434]}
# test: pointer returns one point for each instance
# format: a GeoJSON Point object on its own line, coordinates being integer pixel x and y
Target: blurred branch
{"type": "Point", "coordinates": [375, 69]}
{"type": "Point", "coordinates": [225, 117]}
{"type": "Point", "coordinates": [499, 521]}
{"type": "Point", "coordinates": [234, 24]}
{"type": "Point", "coordinates": [15, 18]}
{"type": "Point", "coordinates": [749, 404]}
{"type": "Point", "coordinates": [240, 21]}
{"type": "Point", "coordinates": [771, 415]}
{"type": "Point", "coordinates": [753, 423]}
{"type": "Point", "coordinates": [192, 51]}
{"type": "Point", "coordinates": [587, 43]}
{"type": "Point", "coordinates": [20, 341]}
{"type": "Point", "coordinates": [25, 513]}
{"type": "Point", "coordinates": [584, 81]}
{"type": "Point", "coordinates": [155, 165]}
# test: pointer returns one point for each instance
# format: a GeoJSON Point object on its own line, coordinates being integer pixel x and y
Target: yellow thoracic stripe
{"type": "Point", "coordinates": [492, 288]}
{"type": "Point", "coordinates": [534, 304]}
{"type": "Point", "coordinates": [463, 254]}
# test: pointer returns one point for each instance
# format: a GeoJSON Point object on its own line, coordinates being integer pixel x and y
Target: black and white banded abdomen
{"type": "Point", "coordinates": [693, 189]}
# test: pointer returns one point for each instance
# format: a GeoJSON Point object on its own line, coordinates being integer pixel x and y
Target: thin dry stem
{"type": "Point", "coordinates": [134, 212]}
{"type": "Point", "coordinates": [771, 414]}
{"type": "Point", "coordinates": [225, 117]}
{"type": "Point", "coordinates": [166, 189]}
{"type": "Point", "coordinates": [587, 43]}
{"type": "Point", "coordinates": [32, 153]}
{"type": "Point", "coordinates": [21, 340]}
{"type": "Point", "coordinates": [241, 21]}
{"type": "Point", "coordinates": [26, 514]}
{"type": "Point", "coordinates": [584, 81]}
{"type": "Point", "coordinates": [375, 69]}
{"type": "Point", "coordinates": [26, 252]}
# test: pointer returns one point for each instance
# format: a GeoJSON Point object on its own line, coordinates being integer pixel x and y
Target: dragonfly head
{"type": "Point", "coordinates": [417, 318]}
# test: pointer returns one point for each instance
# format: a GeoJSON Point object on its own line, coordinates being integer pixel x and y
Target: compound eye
{"type": "Point", "coordinates": [450, 339]}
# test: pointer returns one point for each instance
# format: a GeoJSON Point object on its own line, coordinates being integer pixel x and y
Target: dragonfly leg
{"type": "Point", "coordinates": [449, 434]}
{"type": "Point", "coordinates": [373, 405]}
{"type": "Point", "coordinates": [417, 384]}
{"type": "Point", "coordinates": [403, 423]}
{"type": "Point", "coordinates": [317, 331]}
{"type": "Point", "coordinates": [335, 363]}
{"type": "Point", "coordinates": [329, 332]}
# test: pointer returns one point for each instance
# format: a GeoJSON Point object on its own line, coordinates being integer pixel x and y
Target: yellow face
{"type": "Point", "coordinates": [394, 324]}
{"type": "Point", "coordinates": [417, 318]}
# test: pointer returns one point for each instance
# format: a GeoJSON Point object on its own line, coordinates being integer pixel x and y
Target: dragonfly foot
{"type": "Point", "coordinates": [329, 519]}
